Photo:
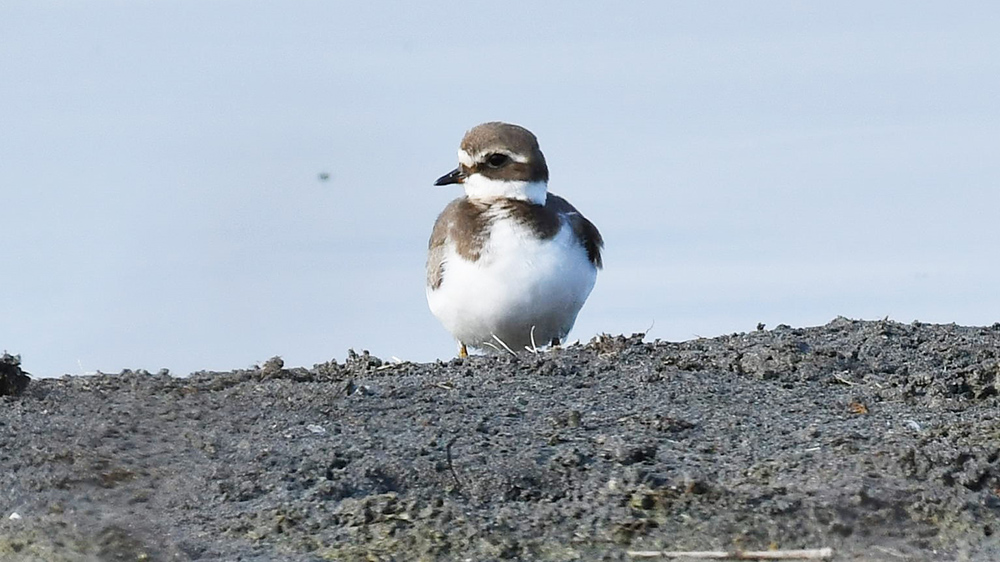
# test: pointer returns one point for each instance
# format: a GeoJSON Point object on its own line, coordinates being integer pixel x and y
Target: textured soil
{"type": "Point", "coordinates": [878, 439]}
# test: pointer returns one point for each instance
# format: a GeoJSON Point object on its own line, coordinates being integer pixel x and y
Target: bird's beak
{"type": "Point", "coordinates": [454, 176]}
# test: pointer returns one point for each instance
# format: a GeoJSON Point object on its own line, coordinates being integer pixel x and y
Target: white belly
{"type": "Point", "coordinates": [518, 283]}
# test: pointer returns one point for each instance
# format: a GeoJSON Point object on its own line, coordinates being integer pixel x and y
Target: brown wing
{"type": "Point", "coordinates": [464, 224]}
{"type": "Point", "coordinates": [435, 251]}
{"type": "Point", "coordinates": [585, 230]}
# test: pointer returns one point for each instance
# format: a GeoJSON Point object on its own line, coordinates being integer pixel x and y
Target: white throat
{"type": "Point", "coordinates": [480, 187]}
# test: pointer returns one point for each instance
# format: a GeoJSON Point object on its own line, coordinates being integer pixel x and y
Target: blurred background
{"type": "Point", "coordinates": [202, 185]}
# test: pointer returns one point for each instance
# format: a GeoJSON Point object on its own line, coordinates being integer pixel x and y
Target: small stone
{"type": "Point", "coordinates": [641, 500]}
{"type": "Point", "coordinates": [272, 367]}
{"type": "Point", "coordinates": [13, 380]}
{"type": "Point", "coordinates": [631, 453]}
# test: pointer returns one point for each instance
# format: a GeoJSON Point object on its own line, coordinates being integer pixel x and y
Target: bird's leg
{"type": "Point", "coordinates": [462, 351]}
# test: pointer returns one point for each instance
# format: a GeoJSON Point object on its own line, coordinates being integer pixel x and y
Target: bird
{"type": "Point", "coordinates": [509, 265]}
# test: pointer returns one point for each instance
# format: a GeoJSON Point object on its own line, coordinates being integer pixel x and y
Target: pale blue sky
{"type": "Point", "coordinates": [778, 162]}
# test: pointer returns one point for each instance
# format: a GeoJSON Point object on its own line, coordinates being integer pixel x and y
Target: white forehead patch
{"type": "Point", "coordinates": [470, 160]}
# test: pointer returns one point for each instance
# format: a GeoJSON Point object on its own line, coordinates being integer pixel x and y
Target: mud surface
{"type": "Point", "coordinates": [878, 439]}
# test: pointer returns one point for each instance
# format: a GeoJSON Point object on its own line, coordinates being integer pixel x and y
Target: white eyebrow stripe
{"type": "Point", "coordinates": [470, 160]}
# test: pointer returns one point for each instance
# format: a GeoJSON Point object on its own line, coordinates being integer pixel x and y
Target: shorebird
{"type": "Point", "coordinates": [509, 263]}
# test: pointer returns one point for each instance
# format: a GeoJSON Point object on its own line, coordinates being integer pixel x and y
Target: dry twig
{"type": "Point", "coordinates": [501, 342]}
{"type": "Point", "coordinates": [810, 554]}
{"type": "Point", "coordinates": [451, 467]}
{"type": "Point", "coordinates": [843, 380]}
{"type": "Point", "coordinates": [533, 348]}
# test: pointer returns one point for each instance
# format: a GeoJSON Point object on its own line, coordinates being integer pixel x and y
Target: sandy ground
{"type": "Point", "coordinates": [878, 439]}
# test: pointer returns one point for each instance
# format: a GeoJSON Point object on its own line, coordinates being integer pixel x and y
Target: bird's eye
{"type": "Point", "coordinates": [496, 160]}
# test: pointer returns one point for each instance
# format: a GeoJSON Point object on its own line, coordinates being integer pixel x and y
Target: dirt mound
{"type": "Point", "coordinates": [879, 439]}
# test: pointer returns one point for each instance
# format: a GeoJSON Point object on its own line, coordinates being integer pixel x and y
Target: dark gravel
{"type": "Point", "coordinates": [879, 439]}
{"type": "Point", "coordinates": [13, 380]}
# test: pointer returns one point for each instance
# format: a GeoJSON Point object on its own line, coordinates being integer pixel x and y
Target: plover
{"type": "Point", "coordinates": [509, 261]}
